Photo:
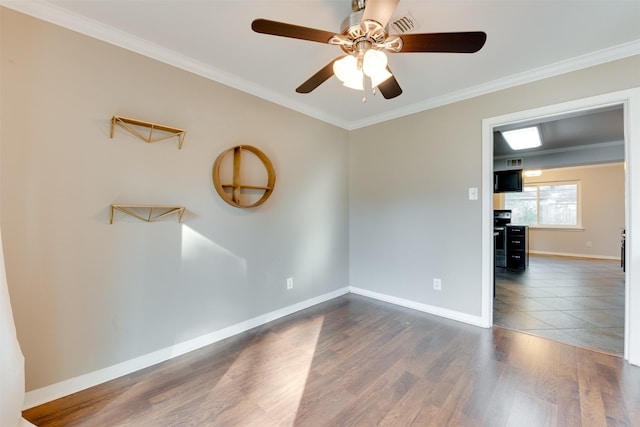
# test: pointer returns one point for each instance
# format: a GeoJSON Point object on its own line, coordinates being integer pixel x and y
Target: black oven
{"type": "Point", "coordinates": [501, 218]}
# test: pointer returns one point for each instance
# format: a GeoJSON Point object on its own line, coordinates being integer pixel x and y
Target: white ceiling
{"type": "Point", "coordinates": [526, 41]}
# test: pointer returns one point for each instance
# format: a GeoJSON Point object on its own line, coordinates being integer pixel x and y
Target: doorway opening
{"type": "Point", "coordinates": [624, 100]}
{"type": "Point", "coordinates": [563, 279]}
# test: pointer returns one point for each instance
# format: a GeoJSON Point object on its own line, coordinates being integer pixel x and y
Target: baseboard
{"type": "Point", "coordinates": [616, 258]}
{"type": "Point", "coordinates": [73, 385]}
{"type": "Point", "coordinates": [426, 308]}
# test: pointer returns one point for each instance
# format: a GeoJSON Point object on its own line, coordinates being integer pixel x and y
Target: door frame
{"type": "Point", "coordinates": [630, 100]}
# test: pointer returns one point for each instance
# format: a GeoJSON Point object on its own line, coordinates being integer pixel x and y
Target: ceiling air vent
{"type": "Point", "coordinates": [402, 23]}
{"type": "Point", "coordinates": [514, 163]}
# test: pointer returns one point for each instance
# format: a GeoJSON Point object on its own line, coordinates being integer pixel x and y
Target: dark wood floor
{"type": "Point", "coordinates": [354, 361]}
{"type": "Point", "coordinates": [579, 301]}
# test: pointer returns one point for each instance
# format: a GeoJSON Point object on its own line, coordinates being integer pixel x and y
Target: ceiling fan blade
{"type": "Point", "coordinates": [379, 10]}
{"type": "Point", "coordinates": [464, 42]}
{"type": "Point", "coordinates": [390, 87]}
{"type": "Point", "coordinates": [318, 78]}
{"type": "Point", "coordinates": [274, 28]}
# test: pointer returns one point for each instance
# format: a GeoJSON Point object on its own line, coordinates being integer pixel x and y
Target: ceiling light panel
{"type": "Point", "coordinates": [521, 139]}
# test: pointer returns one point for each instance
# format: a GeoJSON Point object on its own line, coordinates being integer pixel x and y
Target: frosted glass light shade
{"type": "Point", "coordinates": [346, 70]}
{"type": "Point", "coordinates": [380, 77]}
{"type": "Point", "coordinates": [374, 62]}
{"type": "Point", "coordinates": [355, 81]}
{"type": "Point", "coordinates": [374, 65]}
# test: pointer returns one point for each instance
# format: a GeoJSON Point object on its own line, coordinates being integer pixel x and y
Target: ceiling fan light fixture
{"type": "Point", "coordinates": [345, 67]}
{"type": "Point", "coordinates": [365, 33]}
{"type": "Point", "coordinates": [355, 82]}
{"type": "Point", "coordinates": [380, 77]}
{"type": "Point", "coordinates": [346, 70]}
{"type": "Point", "coordinates": [374, 62]}
{"type": "Point", "coordinates": [374, 65]}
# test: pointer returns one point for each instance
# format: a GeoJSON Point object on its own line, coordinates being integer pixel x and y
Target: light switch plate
{"type": "Point", "coordinates": [473, 193]}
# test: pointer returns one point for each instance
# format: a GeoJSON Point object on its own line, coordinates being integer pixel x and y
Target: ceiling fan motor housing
{"type": "Point", "coordinates": [363, 34]}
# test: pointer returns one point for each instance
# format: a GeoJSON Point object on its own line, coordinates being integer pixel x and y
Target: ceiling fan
{"type": "Point", "coordinates": [364, 39]}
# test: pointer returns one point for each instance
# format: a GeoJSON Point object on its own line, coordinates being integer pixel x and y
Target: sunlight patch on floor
{"type": "Point", "coordinates": [279, 367]}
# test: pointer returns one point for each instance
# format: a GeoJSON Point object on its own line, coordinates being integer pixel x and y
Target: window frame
{"type": "Point", "coordinates": [567, 227]}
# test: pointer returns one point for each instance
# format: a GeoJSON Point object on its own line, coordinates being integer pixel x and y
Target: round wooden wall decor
{"type": "Point", "coordinates": [232, 192]}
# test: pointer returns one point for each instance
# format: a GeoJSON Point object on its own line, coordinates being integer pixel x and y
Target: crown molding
{"type": "Point", "coordinates": [81, 24]}
{"type": "Point", "coordinates": [48, 12]}
{"type": "Point", "coordinates": [573, 64]}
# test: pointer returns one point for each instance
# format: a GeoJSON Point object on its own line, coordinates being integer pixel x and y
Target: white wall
{"type": "Point", "coordinates": [410, 217]}
{"type": "Point", "coordinates": [602, 206]}
{"type": "Point", "coordinates": [411, 220]}
{"type": "Point", "coordinates": [88, 295]}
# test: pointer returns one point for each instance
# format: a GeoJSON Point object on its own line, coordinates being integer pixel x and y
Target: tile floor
{"type": "Point", "coordinates": [574, 300]}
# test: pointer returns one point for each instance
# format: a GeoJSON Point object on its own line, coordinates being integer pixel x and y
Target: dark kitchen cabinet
{"type": "Point", "coordinates": [517, 247]}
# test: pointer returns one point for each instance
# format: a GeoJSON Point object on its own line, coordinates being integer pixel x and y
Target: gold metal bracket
{"type": "Point", "coordinates": [130, 124]}
{"type": "Point", "coordinates": [150, 216]}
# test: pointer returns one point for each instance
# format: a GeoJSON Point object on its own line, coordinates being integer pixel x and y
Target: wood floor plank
{"type": "Point", "coordinates": [500, 402]}
{"type": "Point", "coordinates": [531, 411]}
{"type": "Point", "coordinates": [405, 411]}
{"type": "Point", "coordinates": [369, 408]}
{"type": "Point", "coordinates": [354, 361]}
{"type": "Point", "coordinates": [614, 409]}
{"type": "Point", "coordinates": [591, 404]}
{"type": "Point", "coordinates": [451, 411]}
{"type": "Point", "coordinates": [568, 402]}
{"type": "Point", "coordinates": [321, 400]}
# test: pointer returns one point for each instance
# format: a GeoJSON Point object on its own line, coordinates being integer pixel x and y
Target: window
{"type": "Point", "coordinates": [554, 204]}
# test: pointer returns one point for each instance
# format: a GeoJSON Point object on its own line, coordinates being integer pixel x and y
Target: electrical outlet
{"type": "Point", "coordinates": [290, 283]}
{"type": "Point", "coordinates": [589, 244]}
{"type": "Point", "coordinates": [437, 284]}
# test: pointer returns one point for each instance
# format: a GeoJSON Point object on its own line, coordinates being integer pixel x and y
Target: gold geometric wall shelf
{"type": "Point", "coordinates": [131, 125]}
{"type": "Point", "coordinates": [232, 193]}
{"type": "Point", "coordinates": [151, 212]}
